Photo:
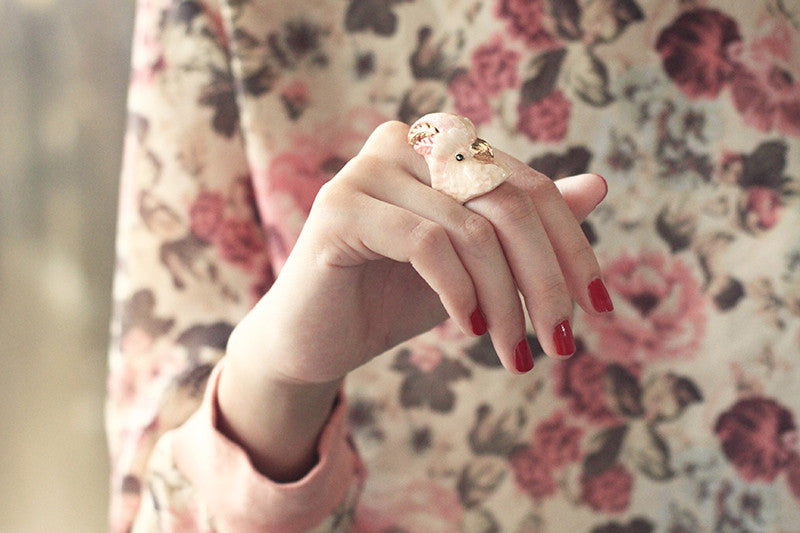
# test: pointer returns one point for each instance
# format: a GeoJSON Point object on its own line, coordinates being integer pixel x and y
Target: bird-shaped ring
{"type": "Point", "coordinates": [462, 165]}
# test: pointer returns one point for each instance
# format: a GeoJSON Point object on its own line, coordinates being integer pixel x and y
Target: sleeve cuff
{"type": "Point", "coordinates": [242, 499]}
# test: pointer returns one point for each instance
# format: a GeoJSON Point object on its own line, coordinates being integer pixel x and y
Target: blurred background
{"type": "Point", "coordinates": [63, 75]}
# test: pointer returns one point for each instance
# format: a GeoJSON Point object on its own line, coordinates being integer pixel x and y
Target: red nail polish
{"type": "Point", "coordinates": [562, 337]}
{"type": "Point", "coordinates": [523, 358]}
{"type": "Point", "coordinates": [598, 294]}
{"type": "Point", "coordinates": [477, 322]}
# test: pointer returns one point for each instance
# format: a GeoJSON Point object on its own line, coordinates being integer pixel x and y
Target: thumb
{"type": "Point", "coordinates": [582, 192]}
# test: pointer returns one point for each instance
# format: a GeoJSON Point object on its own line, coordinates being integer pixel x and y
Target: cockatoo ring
{"type": "Point", "coordinates": [462, 165]}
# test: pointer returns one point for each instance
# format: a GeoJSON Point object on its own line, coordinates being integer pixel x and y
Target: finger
{"type": "Point", "coordinates": [386, 230]}
{"type": "Point", "coordinates": [480, 252]}
{"type": "Point", "coordinates": [582, 193]}
{"type": "Point", "coordinates": [575, 255]}
{"type": "Point", "coordinates": [533, 263]}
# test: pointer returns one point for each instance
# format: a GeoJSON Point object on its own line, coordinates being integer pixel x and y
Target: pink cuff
{"type": "Point", "coordinates": [239, 497]}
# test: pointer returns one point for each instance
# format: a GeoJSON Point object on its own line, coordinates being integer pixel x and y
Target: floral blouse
{"type": "Point", "coordinates": [679, 411]}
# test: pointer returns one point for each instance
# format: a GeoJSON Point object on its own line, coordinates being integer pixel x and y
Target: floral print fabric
{"type": "Point", "coordinates": [679, 410]}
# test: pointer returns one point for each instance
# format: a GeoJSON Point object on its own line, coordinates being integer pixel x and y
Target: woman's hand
{"type": "Point", "coordinates": [384, 257]}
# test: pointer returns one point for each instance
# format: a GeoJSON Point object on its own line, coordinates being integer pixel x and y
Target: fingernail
{"type": "Point", "coordinates": [523, 358]}
{"type": "Point", "coordinates": [598, 294]}
{"type": "Point", "coordinates": [605, 183]}
{"type": "Point", "coordinates": [562, 337]}
{"type": "Point", "coordinates": [478, 322]}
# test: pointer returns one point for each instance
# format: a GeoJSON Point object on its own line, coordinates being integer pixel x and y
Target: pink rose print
{"type": "Point", "coordinates": [468, 98]}
{"type": "Point", "coordinates": [609, 491]}
{"type": "Point", "coordinates": [241, 242]}
{"type": "Point", "coordinates": [426, 357]}
{"type": "Point", "coordinates": [532, 473]}
{"type": "Point", "coordinates": [295, 98]}
{"type": "Point", "coordinates": [556, 442]}
{"type": "Point", "coordinates": [528, 21]}
{"type": "Point", "coordinates": [581, 380]}
{"type": "Point", "coordinates": [755, 434]}
{"type": "Point", "coordinates": [762, 207]}
{"type": "Point", "coordinates": [286, 189]}
{"type": "Point", "coordinates": [659, 310]}
{"type": "Point", "coordinates": [417, 506]}
{"type": "Point", "coordinates": [205, 214]}
{"type": "Point", "coordinates": [695, 50]}
{"type": "Point", "coordinates": [766, 85]}
{"type": "Point", "coordinates": [495, 67]}
{"type": "Point", "coordinates": [546, 119]}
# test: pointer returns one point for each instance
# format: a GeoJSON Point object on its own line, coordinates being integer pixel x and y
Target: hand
{"type": "Point", "coordinates": [384, 257]}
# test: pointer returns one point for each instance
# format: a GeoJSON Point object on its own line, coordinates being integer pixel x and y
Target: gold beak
{"type": "Point", "coordinates": [482, 151]}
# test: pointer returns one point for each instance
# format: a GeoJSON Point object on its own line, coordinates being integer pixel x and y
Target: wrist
{"type": "Point", "coordinates": [275, 419]}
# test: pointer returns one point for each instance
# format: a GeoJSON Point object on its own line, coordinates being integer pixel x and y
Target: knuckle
{"type": "Point", "coordinates": [477, 231]}
{"type": "Point", "coordinates": [543, 187]}
{"type": "Point", "coordinates": [427, 238]}
{"type": "Point", "coordinates": [552, 288]}
{"type": "Point", "coordinates": [578, 251]}
{"type": "Point", "coordinates": [516, 206]}
{"type": "Point", "coordinates": [390, 129]}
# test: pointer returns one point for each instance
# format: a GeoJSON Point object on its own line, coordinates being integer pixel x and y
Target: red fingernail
{"type": "Point", "coordinates": [598, 294]}
{"type": "Point", "coordinates": [562, 337]}
{"type": "Point", "coordinates": [523, 358]}
{"type": "Point", "coordinates": [477, 322]}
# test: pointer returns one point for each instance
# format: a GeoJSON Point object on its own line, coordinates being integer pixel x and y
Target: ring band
{"type": "Point", "coordinates": [462, 165]}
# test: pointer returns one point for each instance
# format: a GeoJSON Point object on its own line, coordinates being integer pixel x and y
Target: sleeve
{"type": "Point", "coordinates": [192, 258]}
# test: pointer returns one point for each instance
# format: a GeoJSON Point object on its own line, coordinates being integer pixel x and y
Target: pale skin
{"type": "Point", "coordinates": [383, 257]}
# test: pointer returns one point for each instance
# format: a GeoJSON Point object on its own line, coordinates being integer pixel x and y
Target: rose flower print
{"type": "Point", "coordinates": [659, 310]}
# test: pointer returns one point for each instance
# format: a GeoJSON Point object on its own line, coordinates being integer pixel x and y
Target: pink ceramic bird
{"type": "Point", "coordinates": [462, 165]}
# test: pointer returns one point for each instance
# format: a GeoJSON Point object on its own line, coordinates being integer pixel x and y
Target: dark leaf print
{"type": "Point", "coordinates": [650, 454]}
{"type": "Point", "coordinates": [567, 14]}
{"type": "Point", "coordinates": [765, 166]}
{"type": "Point", "coordinates": [427, 380]}
{"type": "Point", "coordinates": [542, 76]}
{"type": "Point", "coordinates": [606, 448]}
{"type": "Point", "coordinates": [219, 95]}
{"type": "Point", "coordinates": [375, 15]}
{"type": "Point", "coordinates": [131, 485]}
{"type": "Point", "coordinates": [260, 81]}
{"type": "Point", "coordinates": [423, 98]}
{"type": "Point", "coordinates": [676, 229]}
{"type": "Point", "coordinates": [421, 439]}
{"type": "Point", "coordinates": [588, 77]}
{"type": "Point", "coordinates": [194, 380]}
{"type": "Point", "coordinates": [138, 312]}
{"type": "Point", "coordinates": [588, 230]}
{"type": "Point", "coordinates": [605, 20]}
{"type": "Point", "coordinates": [244, 39]}
{"type": "Point", "coordinates": [479, 480]}
{"type": "Point", "coordinates": [625, 390]}
{"type": "Point", "coordinates": [483, 353]}
{"type": "Point", "coordinates": [364, 64]}
{"type": "Point", "coordinates": [687, 392]}
{"type": "Point", "coordinates": [429, 60]}
{"type": "Point", "coordinates": [556, 166]}
{"type": "Point", "coordinates": [729, 294]}
{"type": "Point", "coordinates": [184, 12]}
{"type": "Point", "coordinates": [197, 337]}
{"type": "Point", "coordinates": [496, 434]}
{"type": "Point", "coordinates": [637, 525]}
{"type": "Point", "coordinates": [667, 396]}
